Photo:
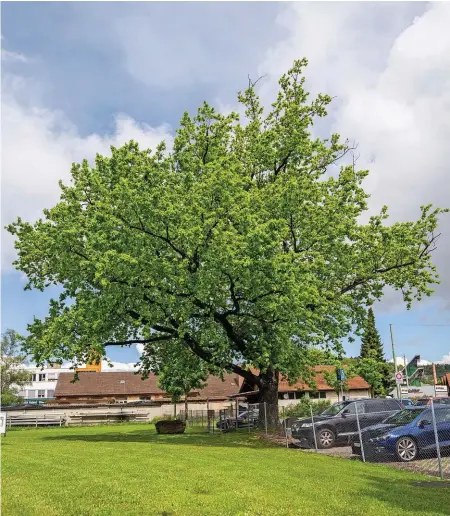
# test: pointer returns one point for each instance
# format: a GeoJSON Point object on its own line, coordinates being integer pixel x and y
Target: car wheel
{"type": "Point", "coordinates": [325, 438]}
{"type": "Point", "coordinates": [406, 449]}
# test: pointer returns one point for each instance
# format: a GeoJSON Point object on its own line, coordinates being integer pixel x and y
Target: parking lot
{"type": "Point", "coordinates": [425, 466]}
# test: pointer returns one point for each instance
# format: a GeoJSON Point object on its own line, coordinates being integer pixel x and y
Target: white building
{"type": "Point", "coordinates": [43, 383]}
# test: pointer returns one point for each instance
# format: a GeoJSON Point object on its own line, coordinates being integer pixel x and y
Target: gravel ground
{"type": "Point", "coordinates": [425, 466]}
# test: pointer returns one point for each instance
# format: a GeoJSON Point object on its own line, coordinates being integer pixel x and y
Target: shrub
{"type": "Point", "coordinates": [303, 409]}
{"type": "Point", "coordinates": [167, 417]}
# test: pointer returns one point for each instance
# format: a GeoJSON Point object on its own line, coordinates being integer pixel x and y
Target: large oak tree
{"type": "Point", "coordinates": [239, 249]}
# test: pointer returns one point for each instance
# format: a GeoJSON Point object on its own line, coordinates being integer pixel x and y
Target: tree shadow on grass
{"type": "Point", "coordinates": [408, 496]}
{"type": "Point", "coordinates": [149, 436]}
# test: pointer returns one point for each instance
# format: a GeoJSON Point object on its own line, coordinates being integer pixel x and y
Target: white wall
{"type": "Point", "coordinates": [47, 385]}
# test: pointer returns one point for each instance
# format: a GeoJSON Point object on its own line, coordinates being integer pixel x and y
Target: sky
{"type": "Point", "coordinates": [79, 77]}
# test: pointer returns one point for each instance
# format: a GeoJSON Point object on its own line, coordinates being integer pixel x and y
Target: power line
{"type": "Point", "coordinates": [436, 325]}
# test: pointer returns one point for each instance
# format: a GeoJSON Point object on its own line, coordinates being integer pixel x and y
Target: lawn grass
{"type": "Point", "coordinates": [130, 470]}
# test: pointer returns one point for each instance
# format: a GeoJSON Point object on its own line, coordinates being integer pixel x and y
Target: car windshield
{"type": "Point", "coordinates": [334, 409]}
{"type": "Point", "coordinates": [403, 417]}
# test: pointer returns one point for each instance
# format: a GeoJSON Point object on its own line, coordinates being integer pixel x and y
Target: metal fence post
{"type": "Point", "coordinates": [265, 416]}
{"type": "Point", "coordinates": [438, 449]}
{"type": "Point", "coordinates": [313, 430]}
{"type": "Point", "coordinates": [285, 433]}
{"type": "Point", "coordinates": [359, 433]}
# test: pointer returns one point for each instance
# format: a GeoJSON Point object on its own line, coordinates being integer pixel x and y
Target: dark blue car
{"type": "Point", "coordinates": [406, 435]}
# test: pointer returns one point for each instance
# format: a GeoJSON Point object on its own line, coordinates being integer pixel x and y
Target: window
{"type": "Point", "coordinates": [299, 395]}
{"type": "Point", "coordinates": [318, 395]}
{"type": "Point", "coordinates": [375, 406]}
{"type": "Point", "coordinates": [41, 393]}
{"type": "Point", "coordinates": [50, 394]}
{"type": "Point", "coordinates": [391, 404]}
{"type": "Point", "coordinates": [31, 393]}
{"type": "Point", "coordinates": [358, 405]}
{"type": "Point", "coordinates": [145, 398]}
{"type": "Point", "coordinates": [34, 377]}
{"type": "Point", "coordinates": [52, 376]}
{"type": "Point", "coordinates": [404, 417]}
{"type": "Point", "coordinates": [42, 377]}
{"type": "Point", "coordinates": [442, 415]}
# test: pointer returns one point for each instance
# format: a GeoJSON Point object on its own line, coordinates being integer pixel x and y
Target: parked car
{"type": "Point", "coordinates": [406, 435]}
{"type": "Point", "coordinates": [244, 420]}
{"type": "Point", "coordinates": [338, 423]}
{"type": "Point", "coordinates": [405, 402]}
{"type": "Point", "coordinates": [444, 400]}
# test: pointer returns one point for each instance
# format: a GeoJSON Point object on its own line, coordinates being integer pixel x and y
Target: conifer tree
{"type": "Point", "coordinates": [371, 341]}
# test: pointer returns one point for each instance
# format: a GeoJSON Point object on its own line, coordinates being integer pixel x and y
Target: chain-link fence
{"type": "Point", "coordinates": [415, 438]}
{"type": "Point", "coordinates": [261, 419]}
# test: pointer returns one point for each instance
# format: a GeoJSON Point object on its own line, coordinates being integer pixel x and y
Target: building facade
{"type": "Point", "coordinates": [43, 383]}
{"type": "Point", "coordinates": [127, 387]}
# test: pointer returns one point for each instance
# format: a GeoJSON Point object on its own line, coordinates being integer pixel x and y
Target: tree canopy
{"type": "Point", "coordinates": [242, 245]}
{"type": "Point", "coordinates": [13, 376]}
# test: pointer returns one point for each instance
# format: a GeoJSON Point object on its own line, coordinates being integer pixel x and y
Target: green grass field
{"type": "Point", "coordinates": [130, 470]}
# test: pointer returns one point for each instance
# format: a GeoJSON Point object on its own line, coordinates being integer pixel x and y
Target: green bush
{"type": "Point", "coordinates": [303, 409]}
{"type": "Point", "coordinates": [167, 417]}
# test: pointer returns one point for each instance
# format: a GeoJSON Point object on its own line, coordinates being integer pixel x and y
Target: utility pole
{"type": "Point", "coordinates": [395, 360]}
{"type": "Point", "coordinates": [406, 370]}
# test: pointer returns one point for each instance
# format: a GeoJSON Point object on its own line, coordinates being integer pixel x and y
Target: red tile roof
{"type": "Point", "coordinates": [354, 383]}
{"type": "Point", "coordinates": [127, 383]}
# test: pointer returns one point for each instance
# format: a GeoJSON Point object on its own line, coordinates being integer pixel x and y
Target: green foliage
{"type": "Point", "coordinates": [371, 345]}
{"type": "Point", "coordinates": [13, 377]}
{"type": "Point", "coordinates": [166, 417]}
{"type": "Point", "coordinates": [241, 246]}
{"type": "Point", "coordinates": [331, 377]}
{"type": "Point", "coordinates": [378, 374]}
{"type": "Point", "coordinates": [303, 408]}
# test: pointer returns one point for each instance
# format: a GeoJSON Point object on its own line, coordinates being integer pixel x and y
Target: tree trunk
{"type": "Point", "coordinates": [268, 394]}
{"type": "Point", "coordinates": [186, 405]}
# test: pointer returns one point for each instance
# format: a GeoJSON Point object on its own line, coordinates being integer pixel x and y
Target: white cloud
{"type": "Point", "coordinates": [389, 66]}
{"type": "Point", "coordinates": [140, 348]}
{"type": "Point", "coordinates": [13, 56]}
{"type": "Point", "coordinates": [118, 366]}
{"type": "Point", "coordinates": [445, 359]}
{"type": "Point", "coordinates": [399, 360]}
{"type": "Point", "coordinates": [39, 147]}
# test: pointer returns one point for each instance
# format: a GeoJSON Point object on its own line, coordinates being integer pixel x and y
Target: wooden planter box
{"type": "Point", "coordinates": [170, 427]}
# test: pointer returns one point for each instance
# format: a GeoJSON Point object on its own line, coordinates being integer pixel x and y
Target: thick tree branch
{"type": "Point", "coordinates": [138, 341]}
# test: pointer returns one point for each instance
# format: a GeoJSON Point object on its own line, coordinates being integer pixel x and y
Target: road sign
{"type": "Point", "coordinates": [399, 377]}
{"type": "Point", "coordinates": [340, 375]}
{"type": "Point", "coordinates": [440, 390]}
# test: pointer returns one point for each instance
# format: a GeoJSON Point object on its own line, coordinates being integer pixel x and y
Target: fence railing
{"type": "Point", "coordinates": [415, 438]}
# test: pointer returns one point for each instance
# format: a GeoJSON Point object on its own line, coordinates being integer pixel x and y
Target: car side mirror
{"type": "Point", "coordinates": [424, 423]}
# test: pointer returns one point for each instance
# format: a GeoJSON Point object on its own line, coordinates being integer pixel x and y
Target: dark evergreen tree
{"type": "Point", "coordinates": [371, 340]}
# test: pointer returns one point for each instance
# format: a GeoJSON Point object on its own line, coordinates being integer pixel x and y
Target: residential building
{"type": "Point", "coordinates": [356, 387]}
{"type": "Point", "coordinates": [126, 387]}
{"type": "Point", "coordinates": [43, 383]}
